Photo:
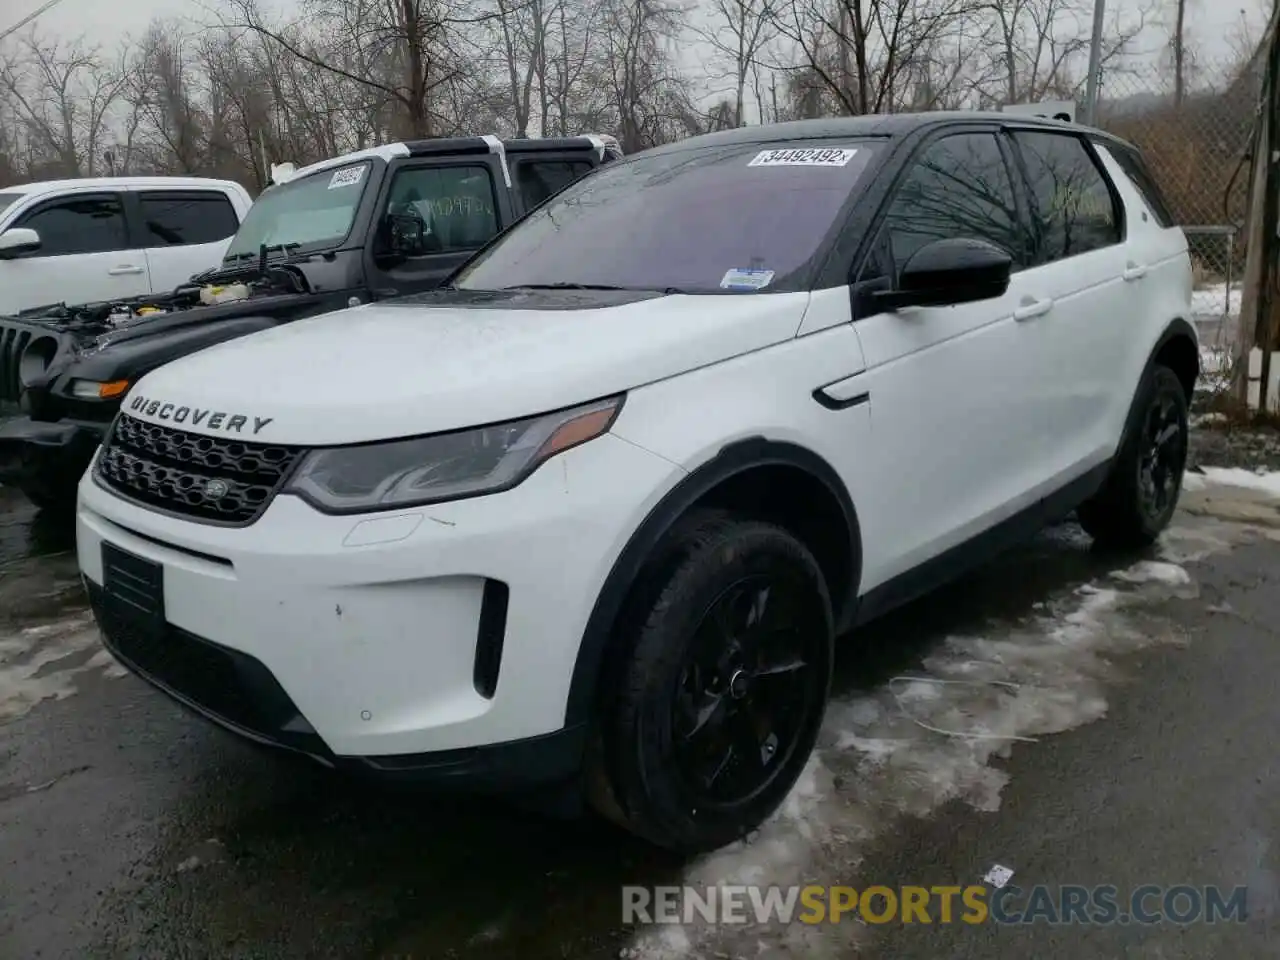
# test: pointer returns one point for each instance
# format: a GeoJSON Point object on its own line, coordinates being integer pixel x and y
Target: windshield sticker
{"type": "Point", "coordinates": [803, 158]}
{"type": "Point", "coordinates": [746, 279]}
{"type": "Point", "coordinates": [346, 178]}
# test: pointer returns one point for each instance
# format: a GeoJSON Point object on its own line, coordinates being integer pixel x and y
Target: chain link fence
{"type": "Point", "coordinates": [1195, 142]}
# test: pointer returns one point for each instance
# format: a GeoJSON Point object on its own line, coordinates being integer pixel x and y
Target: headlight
{"type": "Point", "coordinates": [95, 390]}
{"type": "Point", "coordinates": [446, 466]}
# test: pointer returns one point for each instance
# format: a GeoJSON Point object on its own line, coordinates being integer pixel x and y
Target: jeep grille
{"type": "Point", "coordinates": [179, 472]}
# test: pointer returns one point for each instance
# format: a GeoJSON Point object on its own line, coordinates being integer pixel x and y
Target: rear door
{"type": "Point", "coordinates": [537, 176]}
{"type": "Point", "coordinates": [85, 255]}
{"type": "Point", "coordinates": [1077, 278]}
{"type": "Point", "coordinates": [431, 215]}
{"type": "Point", "coordinates": [183, 232]}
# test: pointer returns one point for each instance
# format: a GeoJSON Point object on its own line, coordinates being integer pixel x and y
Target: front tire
{"type": "Point", "coordinates": [714, 713]}
{"type": "Point", "coordinates": [1141, 494]}
{"type": "Point", "coordinates": [51, 492]}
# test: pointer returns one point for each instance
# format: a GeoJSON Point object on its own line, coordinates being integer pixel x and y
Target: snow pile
{"type": "Point", "coordinates": [1216, 300]}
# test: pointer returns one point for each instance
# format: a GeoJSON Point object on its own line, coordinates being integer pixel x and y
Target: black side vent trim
{"type": "Point", "coordinates": [489, 637]}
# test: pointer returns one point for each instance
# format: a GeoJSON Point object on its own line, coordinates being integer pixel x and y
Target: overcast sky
{"type": "Point", "coordinates": [1212, 22]}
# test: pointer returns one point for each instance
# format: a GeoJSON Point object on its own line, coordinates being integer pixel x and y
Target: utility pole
{"type": "Point", "coordinates": [1257, 302]}
{"type": "Point", "coordinates": [1095, 64]}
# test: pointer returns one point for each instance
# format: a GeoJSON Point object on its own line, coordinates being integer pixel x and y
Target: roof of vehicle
{"type": "Point", "coordinates": [872, 125]}
{"type": "Point", "coordinates": [121, 183]}
{"type": "Point", "coordinates": [440, 146]}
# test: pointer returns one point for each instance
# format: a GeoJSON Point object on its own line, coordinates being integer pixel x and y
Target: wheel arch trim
{"type": "Point", "coordinates": [733, 459]}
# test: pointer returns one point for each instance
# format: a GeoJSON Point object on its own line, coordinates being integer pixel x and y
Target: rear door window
{"type": "Point", "coordinates": [78, 225]}
{"type": "Point", "coordinates": [1073, 210]}
{"type": "Point", "coordinates": [541, 179]}
{"type": "Point", "coordinates": [181, 219]}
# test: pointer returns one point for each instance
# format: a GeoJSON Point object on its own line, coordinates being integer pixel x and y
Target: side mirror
{"type": "Point", "coordinates": [17, 241]}
{"type": "Point", "coordinates": [948, 272]}
{"type": "Point", "coordinates": [408, 235]}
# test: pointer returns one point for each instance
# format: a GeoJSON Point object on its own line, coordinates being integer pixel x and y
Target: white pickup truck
{"type": "Point", "coordinates": [81, 241]}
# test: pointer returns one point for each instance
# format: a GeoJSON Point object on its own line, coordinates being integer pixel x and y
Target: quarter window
{"type": "Point", "coordinates": [959, 187]}
{"type": "Point", "coordinates": [540, 179]}
{"type": "Point", "coordinates": [174, 220]}
{"type": "Point", "coordinates": [453, 205]}
{"type": "Point", "coordinates": [1073, 210]}
{"type": "Point", "coordinates": [78, 225]}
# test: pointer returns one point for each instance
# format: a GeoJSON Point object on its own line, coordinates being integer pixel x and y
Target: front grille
{"type": "Point", "coordinates": [212, 479]}
{"type": "Point", "coordinates": [13, 341]}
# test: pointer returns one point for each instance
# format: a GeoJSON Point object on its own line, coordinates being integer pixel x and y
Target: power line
{"type": "Point", "coordinates": [29, 17]}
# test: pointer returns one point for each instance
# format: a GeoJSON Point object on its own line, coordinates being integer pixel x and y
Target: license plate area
{"type": "Point", "coordinates": [133, 588]}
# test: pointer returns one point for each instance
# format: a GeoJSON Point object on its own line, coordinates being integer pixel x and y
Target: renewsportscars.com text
{"type": "Point", "coordinates": [974, 904]}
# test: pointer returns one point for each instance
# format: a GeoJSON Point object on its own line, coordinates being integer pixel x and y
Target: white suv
{"type": "Point", "coordinates": [595, 512]}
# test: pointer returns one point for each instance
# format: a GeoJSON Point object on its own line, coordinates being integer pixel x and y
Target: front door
{"type": "Point", "coordinates": [947, 385]}
{"type": "Point", "coordinates": [85, 256]}
{"type": "Point", "coordinates": [432, 215]}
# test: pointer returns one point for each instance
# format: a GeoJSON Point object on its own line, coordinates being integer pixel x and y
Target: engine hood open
{"type": "Point", "coordinates": [400, 369]}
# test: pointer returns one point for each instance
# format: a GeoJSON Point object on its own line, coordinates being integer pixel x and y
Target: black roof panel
{"type": "Point", "coordinates": [872, 125]}
{"type": "Point", "coordinates": [542, 144]}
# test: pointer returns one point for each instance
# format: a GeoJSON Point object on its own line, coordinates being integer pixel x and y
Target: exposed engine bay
{"type": "Point", "coordinates": [225, 285]}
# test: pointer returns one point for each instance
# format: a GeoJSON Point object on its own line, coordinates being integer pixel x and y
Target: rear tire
{"type": "Point", "coordinates": [712, 716]}
{"type": "Point", "coordinates": [1141, 494]}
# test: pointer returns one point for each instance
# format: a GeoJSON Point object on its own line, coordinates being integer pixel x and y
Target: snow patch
{"type": "Point", "coordinates": [34, 663]}
{"type": "Point", "coordinates": [1265, 481]}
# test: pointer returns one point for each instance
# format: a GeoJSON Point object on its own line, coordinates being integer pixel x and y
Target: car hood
{"type": "Point", "coordinates": [400, 369]}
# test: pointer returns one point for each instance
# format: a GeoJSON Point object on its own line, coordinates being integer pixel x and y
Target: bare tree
{"type": "Point", "coordinates": [739, 32]}
{"type": "Point", "coordinates": [861, 51]}
{"type": "Point", "coordinates": [61, 95]}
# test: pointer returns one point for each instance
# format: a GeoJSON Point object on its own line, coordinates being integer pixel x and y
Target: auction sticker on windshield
{"type": "Point", "coordinates": [346, 178]}
{"type": "Point", "coordinates": [746, 279]}
{"type": "Point", "coordinates": [810, 157]}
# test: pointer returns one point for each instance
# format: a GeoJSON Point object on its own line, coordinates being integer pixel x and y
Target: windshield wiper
{"type": "Point", "coordinates": [667, 291]}
{"type": "Point", "coordinates": [564, 286]}
{"type": "Point", "coordinates": [274, 248]}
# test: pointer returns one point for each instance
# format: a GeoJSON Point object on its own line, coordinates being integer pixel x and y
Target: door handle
{"type": "Point", "coordinates": [1134, 272]}
{"type": "Point", "coordinates": [124, 271]}
{"type": "Point", "coordinates": [1036, 308]}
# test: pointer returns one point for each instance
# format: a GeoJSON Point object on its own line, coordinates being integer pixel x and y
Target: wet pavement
{"type": "Point", "coordinates": [1079, 718]}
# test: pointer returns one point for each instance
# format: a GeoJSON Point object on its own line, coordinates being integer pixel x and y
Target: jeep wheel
{"type": "Point", "coordinates": [716, 711]}
{"type": "Point", "coordinates": [52, 493]}
{"type": "Point", "coordinates": [1141, 494]}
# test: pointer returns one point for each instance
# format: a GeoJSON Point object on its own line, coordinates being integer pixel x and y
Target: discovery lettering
{"type": "Point", "coordinates": [218, 419]}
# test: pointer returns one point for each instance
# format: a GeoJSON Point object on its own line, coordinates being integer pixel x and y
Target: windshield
{"type": "Point", "coordinates": [315, 211]}
{"type": "Point", "coordinates": [8, 199]}
{"type": "Point", "coordinates": [737, 217]}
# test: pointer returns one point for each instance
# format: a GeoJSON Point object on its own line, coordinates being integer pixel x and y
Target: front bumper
{"type": "Point", "coordinates": [436, 640]}
{"type": "Point", "coordinates": [36, 451]}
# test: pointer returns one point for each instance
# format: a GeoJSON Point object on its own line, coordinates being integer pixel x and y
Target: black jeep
{"type": "Point", "coordinates": [377, 224]}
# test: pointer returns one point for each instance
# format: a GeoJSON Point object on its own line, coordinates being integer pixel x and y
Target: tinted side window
{"type": "Point", "coordinates": [454, 205]}
{"type": "Point", "coordinates": [958, 186]}
{"type": "Point", "coordinates": [540, 179]}
{"type": "Point", "coordinates": [1137, 171]}
{"type": "Point", "coordinates": [1073, 210]}
{"type": "Point", "coordinates": [78, 225]}
{"type": "Point", "coordinates": [173, 220]}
